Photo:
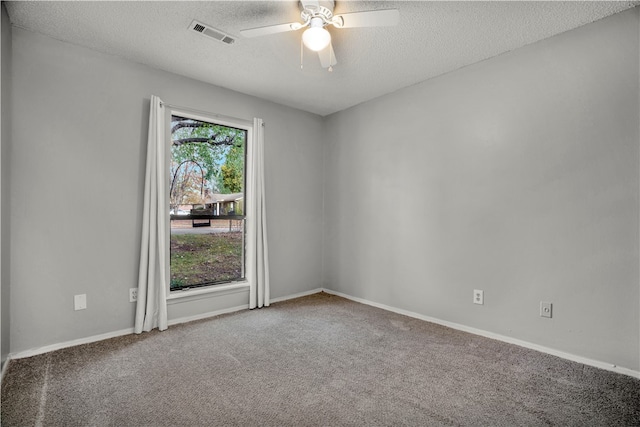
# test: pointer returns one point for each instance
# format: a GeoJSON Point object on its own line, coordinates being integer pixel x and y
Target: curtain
{"type": "Point", "coordinates": [258, 253]}
{"type": "Point", "coordinates": [151, 308]}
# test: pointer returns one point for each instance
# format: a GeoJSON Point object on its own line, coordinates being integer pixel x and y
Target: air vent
{"type": "Point", "coordinates": [212, 33]}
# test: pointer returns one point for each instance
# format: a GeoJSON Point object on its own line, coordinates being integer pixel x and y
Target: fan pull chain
{"type": "Point", "coordinates": [331, 58]}
{"type": "Point", "coordinates": [301, 54]}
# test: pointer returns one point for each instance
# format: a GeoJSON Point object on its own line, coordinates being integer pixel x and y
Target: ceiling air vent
{"type": "Point", "coordinates": [212, 33]}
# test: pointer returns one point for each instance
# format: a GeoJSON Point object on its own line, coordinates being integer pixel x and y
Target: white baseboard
{"type": "Point", "coordinates": [298, 295]}
{"type": "Point", "coordinates": [72, 343]}
{"type": "Point", "coordinates": [475, 331]}
{"type": "Point", "coordinates": [510, 340]}
{"type": "Point", "coordinates": [239, 308]}
{"type": "Point", "coordinates": [94, 338]}
{"type": "Point", "coordinates": [207, 314]}
{"type": "Point", "coordinates": [5, 362]}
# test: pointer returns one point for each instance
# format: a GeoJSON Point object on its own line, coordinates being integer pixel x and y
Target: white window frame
{"type": "Point", "coordinates": [241, 285]}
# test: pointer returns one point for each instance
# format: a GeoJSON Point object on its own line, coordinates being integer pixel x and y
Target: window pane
{"type": "Point", "coordinates": [207, 174]}
{"type": "Point", "coordinates": [206, 255]}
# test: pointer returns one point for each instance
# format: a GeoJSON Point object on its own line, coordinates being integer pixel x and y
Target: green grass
{"type": "Point", "coordinates": [205, 258]}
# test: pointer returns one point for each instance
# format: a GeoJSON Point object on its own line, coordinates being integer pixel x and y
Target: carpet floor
{"type": "Point", "coordinates": [320, 360]}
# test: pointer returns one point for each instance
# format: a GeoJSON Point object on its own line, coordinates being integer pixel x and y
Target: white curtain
{"type": "Point", "coordinates": [257, 249]}
{"type": "Point", "coordinates": [151, 309]}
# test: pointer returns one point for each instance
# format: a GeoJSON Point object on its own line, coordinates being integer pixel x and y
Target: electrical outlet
{"type": "Point", "coordinates": [133, 294]}
{"type": "Point", "coordinates": [80, 302]}
{"type": "Point", "coordinates": [545, 309]}
{"type": "Point", "coordinates": [478, 296]}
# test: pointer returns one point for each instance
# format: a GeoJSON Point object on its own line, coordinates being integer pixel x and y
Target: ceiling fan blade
{"type": "Point", "coordinates": [372, 18]}
{"type": "Point", "coordinates": [327, 57]}
{"type": "Point", "coordinates": [270, 29]}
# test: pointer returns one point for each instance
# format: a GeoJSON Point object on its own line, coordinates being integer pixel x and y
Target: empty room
{"type": "Point", "coordinates": [320, 213]}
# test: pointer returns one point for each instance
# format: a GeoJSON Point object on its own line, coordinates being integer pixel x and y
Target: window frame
{"type": "Point", "coordinates": [225, 287]}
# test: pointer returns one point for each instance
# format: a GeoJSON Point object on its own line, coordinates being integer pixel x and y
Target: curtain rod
{"type": "Point", "coordinates": [207, 113]}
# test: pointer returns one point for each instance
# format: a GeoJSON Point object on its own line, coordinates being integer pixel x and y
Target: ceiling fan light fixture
{"type": "Point", "coordinates": [316, 38]}
{"type": "Point", "coordinates": [318, 15]}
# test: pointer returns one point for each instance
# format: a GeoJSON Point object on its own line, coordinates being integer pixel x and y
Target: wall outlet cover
{"type": "Point", "coordinates": [133, 294]}
{"type": "Point", "coordinates": [80, 302]}
{"type": "Point", "coordinates": [478, 296]}
{"type": "Point", "coordinates": [545, 309]}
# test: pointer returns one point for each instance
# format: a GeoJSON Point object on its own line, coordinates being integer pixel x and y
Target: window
{"type": "Point", "coordinates": [207, 174]}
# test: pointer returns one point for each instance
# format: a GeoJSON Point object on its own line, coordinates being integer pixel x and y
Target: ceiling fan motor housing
{"type": "Point", "coordinates": [322, 10]}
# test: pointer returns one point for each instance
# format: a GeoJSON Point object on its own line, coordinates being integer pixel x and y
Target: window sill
{"type": "Point", "coordinates": [210, 291]}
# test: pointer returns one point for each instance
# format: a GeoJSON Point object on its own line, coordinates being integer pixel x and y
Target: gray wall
{"type": "Point", "coordinates": [5, 129]}
{"type": "Point", "coordinates": [518, 176]}
{"type": "Point", "coordinates": [77, 167]}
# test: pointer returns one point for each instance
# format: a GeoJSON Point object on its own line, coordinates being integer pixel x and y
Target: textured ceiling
{"type": "Point", "coordinates": [432, 38]}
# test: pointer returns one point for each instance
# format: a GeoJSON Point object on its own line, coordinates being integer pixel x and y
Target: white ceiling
{"type": "Point", "coordinates": [432, 38]}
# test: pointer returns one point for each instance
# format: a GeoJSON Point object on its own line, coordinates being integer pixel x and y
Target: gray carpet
{"type": "Point", "coordinates": [314, 361]}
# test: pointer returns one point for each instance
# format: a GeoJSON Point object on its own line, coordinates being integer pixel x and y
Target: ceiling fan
{"type": "Point", "coordinates": [318, 14]}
